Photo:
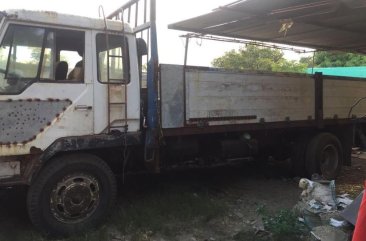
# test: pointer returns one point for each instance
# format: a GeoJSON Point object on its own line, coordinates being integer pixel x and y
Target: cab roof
{"type": "Point", "coordinates": [67, 20]}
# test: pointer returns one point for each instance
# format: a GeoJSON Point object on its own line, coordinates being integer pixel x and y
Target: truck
{"type": "Point", "coordinates": [77, 109]}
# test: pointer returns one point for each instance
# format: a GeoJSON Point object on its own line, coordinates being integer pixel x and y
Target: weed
{"type": "Point", "coordinates": [283, 225]}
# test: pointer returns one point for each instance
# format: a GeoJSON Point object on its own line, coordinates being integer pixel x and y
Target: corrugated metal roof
{"type": "Point", "coordinates": [326, 25]}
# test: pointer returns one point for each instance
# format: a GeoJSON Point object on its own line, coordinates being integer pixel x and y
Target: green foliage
{"type": "Point", "coordinates": [289, 66]}
{"type": "Point", "coordinates": [308, 61]}
{"type": "Point", "coordinates": [267, 59]}
{"type": "Point", "coordinates": [282, 223]}
{"type": "Point", "coordinates": [338, 59]}
{"type": "Point", "coordinates": [334, 59]}
{"type": "Point", "coordinates": [257, 58]}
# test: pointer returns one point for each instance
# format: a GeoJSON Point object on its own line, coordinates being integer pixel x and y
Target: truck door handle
{"type": "Point", "coordinates": [83, 107]}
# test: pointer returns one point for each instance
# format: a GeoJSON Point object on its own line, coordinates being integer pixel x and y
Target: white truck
{"type": "Point", "coordinates": [75, 112]}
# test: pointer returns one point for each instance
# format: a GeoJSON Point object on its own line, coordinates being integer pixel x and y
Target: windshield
{"type": "Point", "coordinates": [20, 53]}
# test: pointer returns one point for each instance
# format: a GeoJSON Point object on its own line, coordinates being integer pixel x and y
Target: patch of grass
{"type": "Point", "coordinates": [167, 210]}
{"type": "Point", "coordinates": [283, 225]}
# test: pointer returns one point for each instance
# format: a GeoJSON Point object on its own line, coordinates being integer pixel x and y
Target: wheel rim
{"type": "Point", "coordinates": [329, 159]}
{"type": "Point", "coordinates": [75, 198]}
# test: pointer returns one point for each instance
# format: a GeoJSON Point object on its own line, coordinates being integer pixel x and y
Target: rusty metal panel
{"type": "Point", "coordinates": [222, 98]}
{"type": "Point", "coordinates": [22, 120]}
{"type": "Point", "coordinates": [341, 94]}
{"type": "Point", "coordinates": [172, 96]}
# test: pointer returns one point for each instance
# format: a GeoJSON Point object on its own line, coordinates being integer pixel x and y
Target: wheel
{"type": "Point", "coordinates": [71, 194]}
{"type": "Point", "coordinates": [324, 155]}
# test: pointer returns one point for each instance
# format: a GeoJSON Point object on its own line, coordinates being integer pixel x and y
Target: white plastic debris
{"type": "Point", "coordinates": [336, 223]}
{"type": "Point", "coordinates": [317, 191]}
{"type": "Point", "coordinates": [344, 200]}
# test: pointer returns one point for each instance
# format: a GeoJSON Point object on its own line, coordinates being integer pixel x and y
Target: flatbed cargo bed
{"type": "Point", "coordinates": [198, 98]}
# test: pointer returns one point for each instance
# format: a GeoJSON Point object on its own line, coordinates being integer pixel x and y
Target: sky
{"type": "Point", "coordinates": [171, 46]}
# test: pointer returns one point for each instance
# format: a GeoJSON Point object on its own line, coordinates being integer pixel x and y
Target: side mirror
{"type": "Point", "coordinates": [141, 47]}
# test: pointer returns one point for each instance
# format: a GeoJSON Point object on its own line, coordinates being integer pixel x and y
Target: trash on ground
{"type": "Point", "coordinates": [350, 212]}
{"type": "Point", "coordinates": [338, 223]}
{"type": "Point", "coordinates": [321, 193]}
{"type": "Point", "coordinates": [344, 200]}
{"type": "Point", "coordinates": [320, 209]}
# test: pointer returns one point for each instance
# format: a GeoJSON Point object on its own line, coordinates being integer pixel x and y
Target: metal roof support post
{"type": "Point", "coordinates": [184, 74]}
{"type": "Point", "coordinates": [152, 134]}
{"type": "Point", "coordinates": [186, 50]}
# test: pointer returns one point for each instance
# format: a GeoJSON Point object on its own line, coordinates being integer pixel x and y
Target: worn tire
{"type": "Point", "coordinates": [71, 194]}
{"type": "Point", "coordinates": [324, 155]}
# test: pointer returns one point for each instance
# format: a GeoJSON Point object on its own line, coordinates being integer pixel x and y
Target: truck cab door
{"type": "Point", "coordinates": [42, 98]}
{"type": "Point", "coordinates": [116, 85]}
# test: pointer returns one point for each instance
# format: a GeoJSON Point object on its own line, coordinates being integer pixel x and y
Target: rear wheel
{"type": "Point", "coordinates": [324, 155]}
{"type": "Point", "coordinates": [71, 194]}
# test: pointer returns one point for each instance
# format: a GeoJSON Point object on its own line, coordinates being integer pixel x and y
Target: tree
{"type": "Point", "coordinates": [308, 61]}
{"type": "Point", "coordinates": [257, 58]}
{"type": "Point", "coordinates": [338, 59]}
{"type": "Point", "coordinates": [334, 59]}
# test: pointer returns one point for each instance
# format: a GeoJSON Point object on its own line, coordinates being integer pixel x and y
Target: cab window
{"type": "Point", "coordinates": [112, 55]}
{"type": "Point", "coordinates": [30, 54]}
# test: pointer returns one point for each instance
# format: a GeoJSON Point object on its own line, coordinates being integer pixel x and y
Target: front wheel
{"type": "Point", "coordinates": [71, 194]}
{"type": "Point", "coordinates": [324, 155]}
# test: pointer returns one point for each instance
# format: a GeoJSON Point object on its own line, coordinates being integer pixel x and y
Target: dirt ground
{"type": "Point", "coordinates": [196, 205]}
{"type": "Point", "coordinates": [352, 178]}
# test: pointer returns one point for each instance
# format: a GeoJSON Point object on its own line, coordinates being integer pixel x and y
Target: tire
{"type": "Point", "coordinates": [324, 155]}
{"type": "Point", "coordinates": [71, 194]}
